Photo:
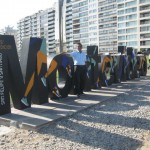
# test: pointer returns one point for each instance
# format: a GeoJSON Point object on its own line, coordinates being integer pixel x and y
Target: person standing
{"type": "Point", "coordinates": [79, 58]}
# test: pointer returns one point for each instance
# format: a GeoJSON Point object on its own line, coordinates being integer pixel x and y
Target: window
{"type": "Point", "coordinates": [131, 30]}
{"type": "Point", "coordinates": [120, 12]}
{"type": "Point", "coordinates": [132, 23]}
{"type": "Point", "coordinates": [133, 3]}
{"type": "Point", "coordinates": [131, 37]}
{"type": "Point", "coordinates": [83, 14]}
{"type": "Point", "coordinates": [121, 31]}
{"type": "Point", "coordinates": [121, 18]}
{"type": "Point", "coordinates": [131, 17]}
{"type": "Point", "coordinates": [132, 43]}
{"type": "Point", "coordinates": [93, 28]}
{"type": "Point", "coordinates": [120, 38]}
{"type": "Point", "coordinates": [93, 34]}
{"type": "Point", "coordinates": [92, 22]}
{"type": "Point", "coordinates": [121, 25]}
{"type": "Point", "coordinates": [131, 10]}
{"type": "Point", "coordinates": [120, 6]}
{"type": "Point", "coordinates": [84, 35]}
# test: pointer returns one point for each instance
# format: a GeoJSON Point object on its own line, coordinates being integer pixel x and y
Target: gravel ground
{"type": "Point", "coordinates": [122, 123]}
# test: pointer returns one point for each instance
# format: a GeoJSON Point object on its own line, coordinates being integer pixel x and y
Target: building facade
{"type": "Point", "coordinates": [144, 22]}
{"type": "Point", "coordinates": [94, 22]}
{"type": "Point", "coordinates": [133, 23]}
{"type": "Point", "coordinates": [80, 22]}
{"type": "Point", "coordinates": [128, 26]}
{"type": "Point", "coordinates": [69, 26]}
{"type": "Point", "coordinates": [105, 23]}
{"type": "Point", "coordinates": [44, 24]}
{"type": "Point", "coordinates": [41, 24]}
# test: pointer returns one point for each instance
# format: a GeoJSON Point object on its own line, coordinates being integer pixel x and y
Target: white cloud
{"type": "Point", "coordinates": [13, 10]}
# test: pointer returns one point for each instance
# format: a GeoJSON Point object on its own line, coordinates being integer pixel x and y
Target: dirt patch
{"type": "Point", "coordinates": [146, 143]}
{"type": "Point", "coordinates": [4, 130]}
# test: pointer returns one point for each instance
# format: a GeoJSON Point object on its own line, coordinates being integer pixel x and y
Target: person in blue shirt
{"type": "Point", "coordinates": [79, 58]}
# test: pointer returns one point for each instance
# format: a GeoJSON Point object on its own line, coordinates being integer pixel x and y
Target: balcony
{"type": "Point", "coordinates": [68, 35]}
{"type": "Point", "coordinates": [107, 26]}
{"type": "Point", "coordinates": [76, 21]}
{"type": "Point", "coordinates": [146, 7]}
{"type": "Point", "coordinates": [70, 17]}
{"type": "Point", "coordinates": [145, 29]}
{"type": "Point", "coordinates": [106, 2]}
{"type": "Point", "coordinates": [145, 22]}
{"type": "Point", "coordinates": [51, 38]}
{"type": "Point", "coordinates": [143, 15]}
{"type": "Point", "coordinates": [145, 36]}
{"type": "Point", "coordinates": [102, 21]}
{"type": "Point", "coordinates": [76, 26]}
{"type": "Point", "coordinates": [68, 8]}
{"type": "Point", "coordinates": [76, 32]}
{"type": "Point", "coordinates": [69, 27]}
{"type": "Point", "coordinates": [51, 19]}
{"type": "Point", "coordinates": [107, 8]}
{"type": "Point", "coordinates": [145, 43]}
{"type": "Point", "coordinates": [76, 36]}
{"type": "Point", "coordinates": [144, 1]}
{"type": "Point", "coordinates": [69, 13]}
{"type": "Point", "coordinates": [51, 47]}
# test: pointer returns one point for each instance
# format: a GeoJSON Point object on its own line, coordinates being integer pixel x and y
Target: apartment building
{"type": "Point", "coordinates": [107, 11]}
{"type": "Point", "coordinates": [47, 24]}
{"type": "Point", "coordinates": [93, 28]}
{"type": "Point", "coordinates": [80, 22]}
{"type": "Point", "coordinates": [133, 23]}
{"type": "Point", "coordinates": [94, 22]}
{"type": "Point", "coordinates": [105, 23]}
{"type": "Point", "coordinates": [128, 26]}
{"type": "Point", "coordinates": [144, 22]}
{"type": "Point", "coordinates": [108, 24]}
{"type": "Point", "coordinates": [41, 24]}
{"type": "Point", "coordinates": [69, 26]}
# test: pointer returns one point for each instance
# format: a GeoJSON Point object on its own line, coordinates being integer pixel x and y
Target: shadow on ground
{"type": "Point", "coordinates": [84, 127]}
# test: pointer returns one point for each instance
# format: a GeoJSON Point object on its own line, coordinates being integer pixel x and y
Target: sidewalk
{"type": "Point", "coordinates": [39, 115]}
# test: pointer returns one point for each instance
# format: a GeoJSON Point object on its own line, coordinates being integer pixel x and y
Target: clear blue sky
{"type": "Point", "coordinates": [12, 11]}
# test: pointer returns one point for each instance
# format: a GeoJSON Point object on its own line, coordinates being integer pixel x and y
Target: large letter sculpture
{"type": "Point", "coordinates": [92, 70]}
{"type": "Point", "coordinates": [105, 68]}
{"type": "Point", "coordinates": [141, 65]}
{"type": "Point", "coordinates": [11, 80]}
{"type": "Point", "coordinates": [34, 66]}
{"type": "Point", "coordinates": [11, 75]}
{"type": "Point", "coordinates": [132, 67]}
{"type": "Point", "coordinates": [33, 82]}
{"type": "Point", "coordinates": [59, 76]}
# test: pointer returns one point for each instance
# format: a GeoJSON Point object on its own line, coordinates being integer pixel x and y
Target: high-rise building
{"type": "Point", "coordinates": [107, 25]}
{"type": "Point", "coordinates": [69, 26]}
{"type": "Point", "coordinates": [94, 22]}
{"type": "Point", "coordinates": [134, 23]}
{"type": "Point", "coordinates": [80, 22]}
{"type": "Point", "coordinates": [44, 24]}
{"type": "Point", "coordinates": [128, 27]}
{"type": "Point", "coordinates": [41, 24]}
{"type": "Point", "coordinates": [144, 21]}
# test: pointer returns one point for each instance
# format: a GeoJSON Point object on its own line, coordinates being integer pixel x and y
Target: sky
{"type": "Point", "coordinates": [12, 11]}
